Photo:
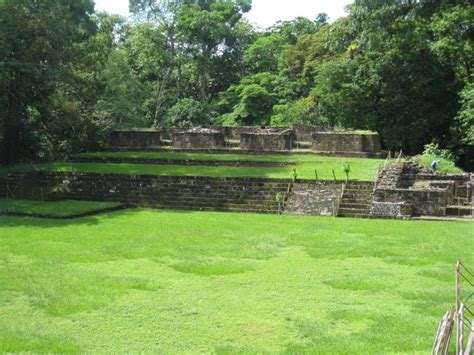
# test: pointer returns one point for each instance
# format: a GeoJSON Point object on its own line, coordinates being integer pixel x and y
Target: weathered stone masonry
{"type": "Point", "coordinates": [198, 139]}
{"type": "Point", "coordinates": [273, 140]}
{"type": "Point", "coordinates": [408, 189]}
{"type": "Point", "coordinates": [323, 140]}
{"type": "Point", "coordinates": [173, 192]}
{"type": "Point", "coordinates": [339, 142]}
{"type": "Point", "coordinates": [318, 198]}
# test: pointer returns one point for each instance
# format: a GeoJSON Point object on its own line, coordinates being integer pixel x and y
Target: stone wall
{"type": "Point", "coordinates": [134, 139]}
{"type": "Point", "coordinates": [399, 192]}
{"type": "Point", "coordinates": [391, 209]}
{"type": "Point", "coordinates": [305, 133]}
{"type": "Point", "coordinates": [318, 198]}
{"type": "Point", "coordinates": [346, 142]}
{"type": "Point", "coordinates": [267, 140]}
{"type": "Point", "coordinates": [198, 139]}
{"type": "Point", "coordinates": [424, 203]}
{"type": "Point", "coordinates": [229, 132]}
{"type": "Point", "coordinates": [173, 192]}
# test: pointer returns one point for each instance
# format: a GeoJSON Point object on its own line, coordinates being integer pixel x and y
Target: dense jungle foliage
{"type": "Point", "coordinates": [68, 74]}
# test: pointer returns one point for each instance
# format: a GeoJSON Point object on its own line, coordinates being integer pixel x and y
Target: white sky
{"type": "Point", "coordinates": [264, 13]}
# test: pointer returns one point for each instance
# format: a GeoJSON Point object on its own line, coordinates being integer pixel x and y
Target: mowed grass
{"type": "Point", "coordinates": [307, 166]}
{"type": "Point", "coordinates": [54, 208]}
{"type": "Point", "coordinates": [173, 282]}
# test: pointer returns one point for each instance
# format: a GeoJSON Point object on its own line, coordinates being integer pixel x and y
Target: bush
{"type": "Point", "coordinates": [434, 150]}
{"type": "Point", "coordinates": [187, 113]}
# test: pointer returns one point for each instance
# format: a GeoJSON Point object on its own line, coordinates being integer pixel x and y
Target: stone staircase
{"type": "Point", "coordinates": [254, 196]}
{"type": "Point", "coordinates": [356, 199]}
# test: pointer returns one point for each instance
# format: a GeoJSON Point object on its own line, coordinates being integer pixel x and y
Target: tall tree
{"type": "Point", "coordinates": [36, 38]}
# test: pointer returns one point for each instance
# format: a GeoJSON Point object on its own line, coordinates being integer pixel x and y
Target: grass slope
{"type": "Point", "coordinates": [54, 208]}
{"type": "Point", "coordinates": [445, 166]}
{"type": "Point", "coordinates": [361, 169]}
{"type": "Point", "coordinates": [169, 282]}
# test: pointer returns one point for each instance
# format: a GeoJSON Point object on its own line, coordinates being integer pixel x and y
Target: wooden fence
{"type": "Point", "coordinates": [460, 315]}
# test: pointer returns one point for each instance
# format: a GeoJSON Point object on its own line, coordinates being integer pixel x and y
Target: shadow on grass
{"type": "Point", "coordinates": [32, 221]}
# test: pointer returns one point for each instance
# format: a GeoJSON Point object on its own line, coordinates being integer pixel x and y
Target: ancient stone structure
{"type": "Point", "coordinates": [135, 139]}
{"type": "Point", "coordinates": [408, 189]}
{"type": "Point", "coordinates": [267, 140]}
{"type": "Point", "coordinates": [170, 192]}
{"type": "Point", "coordinates": [198, 138]}
{"type": "Point", "coordinates": [347, 142]}
{"type": "Point", "coordinates": [321, 139]}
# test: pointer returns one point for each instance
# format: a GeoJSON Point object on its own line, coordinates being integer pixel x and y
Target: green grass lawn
{"type": "Point", "coordinates": [54, 208]}
{"type": "Point", "coordinates": [295, 158]}
{"type": "Point", "coordinates": [361, 169]}
{"type": "Point", "coordinates": [172, 282]}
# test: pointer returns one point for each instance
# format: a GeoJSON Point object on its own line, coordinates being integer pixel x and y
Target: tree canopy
{"type": "Point", "coordinates": [69, 74]}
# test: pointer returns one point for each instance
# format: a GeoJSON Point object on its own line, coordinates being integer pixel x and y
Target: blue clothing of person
{"type": "Point", "coordinates": [434, 165]}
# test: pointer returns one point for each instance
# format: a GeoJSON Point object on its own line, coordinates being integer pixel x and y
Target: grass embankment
{"type": "Point", "coordinates": [361, 169]}
{"type": "Point", "coordinates": [171, 282]}
{"type": "Point", "coordinates": [54, 208]}
{"type": "Point", "coordinates": [444, 166]}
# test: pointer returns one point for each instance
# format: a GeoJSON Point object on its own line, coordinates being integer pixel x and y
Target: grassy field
{"type": "Point", "coordinates": [169, 282]}
{"type": "Point", "coordinates": [54, 208]}
{"type": "Point", "coordinates": [360, 169]}
{"type": "Point", "coordinates": [295, 158]}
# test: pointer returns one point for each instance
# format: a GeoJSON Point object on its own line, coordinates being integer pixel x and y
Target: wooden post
{"type": "Point", "coordinates": [458, 304]}
{"type": "Point", "coordinates": [460, 337]}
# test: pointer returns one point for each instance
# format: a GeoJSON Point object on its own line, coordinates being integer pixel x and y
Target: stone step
{"type": "Point", "coordinates": [358, 191]}
{"type": "Point", "coordinates": [344, 204]}
{"type": "Point", "coordinates": [219, 203]}
{"type": "Point", "coordinates": [353, 215]}
{"type": "Point", "coordinates": [356, 198]}
{"type": "Point", "coordinates": [359, 187]}
{"type": "Point", "coordinates": [211, 195]}
{"type": "Point", "coordinates": [353, 211]}
{"type": "Point", "coordinates": [220, 208]}
{"type": "Point", "coordinates": [459, 211]}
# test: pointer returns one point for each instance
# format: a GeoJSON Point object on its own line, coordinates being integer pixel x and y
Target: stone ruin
{"type": "Point", "coordinates": [135, 138]}
{"type": "Point", "coordinates": [318, 139]}
{"type": "Point", "coordinates": [198, 138]}
{"type": "Point", "coordinates": [408, 189]}
{"type": "Point", "coordinates": [267, 140]}
{"type": "Point", "coordinates": [347, 142]}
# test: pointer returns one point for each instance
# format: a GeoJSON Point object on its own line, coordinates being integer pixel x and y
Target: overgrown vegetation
{"type": "Point", "coordinates": [68, 74]}
{"type": "Point", "coordinates": [174, 282]}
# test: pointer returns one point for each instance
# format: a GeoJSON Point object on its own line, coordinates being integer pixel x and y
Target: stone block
{"type": "Point", "coordinates": [267, 140]}
{"type": "Point", "coordinates": [198, 139]}
{"type": "Point", "coordinates": [346, 142]}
